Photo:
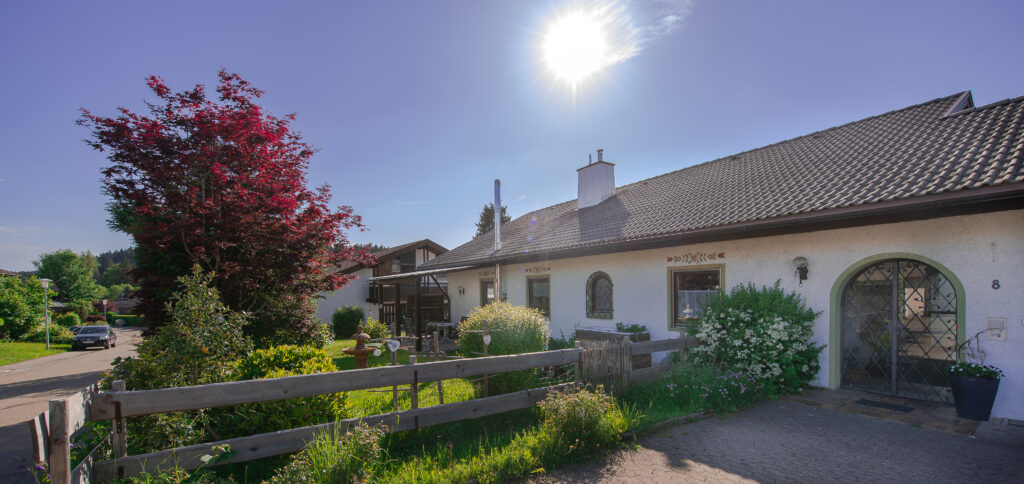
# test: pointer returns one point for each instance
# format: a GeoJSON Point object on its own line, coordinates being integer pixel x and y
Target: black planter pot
{"type": "Point", "coordinates": [974, 396]}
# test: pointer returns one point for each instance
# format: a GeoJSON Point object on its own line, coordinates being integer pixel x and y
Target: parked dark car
{"type": "Point", "coordinates": [74, 329]}
{"type": "Point", "coordinates": [94, 336]}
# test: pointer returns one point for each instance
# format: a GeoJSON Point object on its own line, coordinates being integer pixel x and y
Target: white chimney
{"type": "Point", "coordinates": [596, 182]}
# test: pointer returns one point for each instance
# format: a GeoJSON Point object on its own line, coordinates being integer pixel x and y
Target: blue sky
{"type": "Point", "coordinates": [417, 106]}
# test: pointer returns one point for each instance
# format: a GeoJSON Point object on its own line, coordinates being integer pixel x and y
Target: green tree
{"type": "Point", "coordinates": [486, 223]}
{"type": "Point", "coordinates": [73, 274]}
{"type": "Point", "coordinates": [21, 306]}
{"type": "Point", "coordinates": [198, 345]}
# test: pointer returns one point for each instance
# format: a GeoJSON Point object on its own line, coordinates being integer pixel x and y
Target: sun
{"type": "Point", "coordinates": [575, 47]}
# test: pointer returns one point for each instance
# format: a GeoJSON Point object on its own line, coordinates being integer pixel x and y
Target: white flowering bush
{"type": "Point", "coordinates": [764, 333]}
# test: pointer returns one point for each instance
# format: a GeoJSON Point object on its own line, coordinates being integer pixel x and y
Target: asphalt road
{"type": "Point", "coordinates": [27, 387]}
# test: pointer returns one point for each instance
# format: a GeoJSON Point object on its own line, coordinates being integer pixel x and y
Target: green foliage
{"type": "Point", "coordinates": [58, 335]}
{"type": "Point", "coordinates": [21, 306]}
{"type": "Point", "coordinates": [486, 222]}
{"type": "Point", "coordinates": [345, 320]}
{"type": "Point", "coordinates": [335, 457]}
{"type": "Point", "coordinates": [262, 417]}
{"type": "Point", "coordinates": [510, 449]}
{"type": "Point", "coordinates": [114, 292]}
{"type": "Point", "coordinates": [376, 329]}
{"type": "Point", "coordinates": [630, 328]}
{"type": "Point", "coordinates": [284, 320]}
{"type": "Point", "coordinates": [96, 319]}
{"type": "Point", "coordinates": [132, 319]}
{"type": "Point", "coordinates": [73, 274]}
{"type": "Point", "coordinates": [764, 333]}
{"type": "Point", "coordinates": [81, 307]}
{"type": "Point", "coordinates": [562, 342]}
{"type": "Point", "coordinates": [580, 421]}
{"type": "Point", "coordinates": [691, 388]}
{"type": "Point", "coordinates": [67, 320]}
{"type": "Point", "coordinates": [513, 330]}
{"type": "Point", "coordinates": [199, 345]}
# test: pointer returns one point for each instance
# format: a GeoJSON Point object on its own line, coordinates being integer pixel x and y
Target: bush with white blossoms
{"type": "Point", "coordinates": [764, 333]}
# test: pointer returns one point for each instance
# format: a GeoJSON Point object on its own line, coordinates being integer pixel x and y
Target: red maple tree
{"type": "Point", "coordinates": [222, 184]}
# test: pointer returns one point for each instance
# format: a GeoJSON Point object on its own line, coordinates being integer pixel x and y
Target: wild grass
{"type": "Point", "coordinates": [690, 388]}
{"type": "Point", "coordinates": [15, 352]}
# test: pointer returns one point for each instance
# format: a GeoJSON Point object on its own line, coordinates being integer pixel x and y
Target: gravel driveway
{"type": "Point", "coordinates": [26, 388]}
{"type": "Point", "coordinates": [785, 441]}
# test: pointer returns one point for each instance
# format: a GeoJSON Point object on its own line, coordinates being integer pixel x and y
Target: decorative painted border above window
{"type": "Point", "coordinates": [599, 296]}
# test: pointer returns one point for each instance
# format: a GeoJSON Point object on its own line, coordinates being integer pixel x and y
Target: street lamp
{"type": "Point", "coordinates": [46, 308]}
{"type": "Point", "coordinates": [104, 309]}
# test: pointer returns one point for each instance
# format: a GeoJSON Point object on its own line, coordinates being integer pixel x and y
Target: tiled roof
{"type": "Point", "coordinates": [938, 147]}
{"type": "Point", "coordinates": [380, 254]}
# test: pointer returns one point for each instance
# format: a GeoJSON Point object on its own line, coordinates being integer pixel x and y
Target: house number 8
{"type": "Point", "coordinates": [995, 284]}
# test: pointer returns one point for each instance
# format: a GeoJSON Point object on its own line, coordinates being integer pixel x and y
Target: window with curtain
{"type": "Point", "coordinates": [486, 292]}
{"type": "Point", "coordinates": [693, 288]}
{"type": "Point", "coordinates": [538, 294]}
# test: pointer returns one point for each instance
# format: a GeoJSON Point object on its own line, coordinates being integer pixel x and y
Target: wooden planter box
{"type": "Point", "coordinates": [601, 334]}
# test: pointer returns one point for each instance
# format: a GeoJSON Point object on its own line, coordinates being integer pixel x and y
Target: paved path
{"type": "Point", "coordinates": [27, 387]}
{"type": "Point", "coordinates": [785, 441]}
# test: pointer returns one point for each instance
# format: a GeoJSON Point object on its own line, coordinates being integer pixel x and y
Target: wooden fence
{"type": "Point", "coordinates": [53, 431]}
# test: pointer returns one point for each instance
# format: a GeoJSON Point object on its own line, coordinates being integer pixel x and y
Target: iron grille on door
{"type": "Point", "coordinates": [899, 330]}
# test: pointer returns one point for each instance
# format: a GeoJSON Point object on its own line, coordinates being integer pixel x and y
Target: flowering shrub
{"type": "Point", "coordinates": [763, 333]}
{"type": "Point", "coordinates": [975, 370]}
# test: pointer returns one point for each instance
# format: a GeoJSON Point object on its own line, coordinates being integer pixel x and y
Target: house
{"type": "Point", "coordinates": [905, 229]}
{"type": "Point", "coordinates": [409, 297]}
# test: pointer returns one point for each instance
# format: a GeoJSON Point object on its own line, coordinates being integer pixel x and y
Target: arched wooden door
{"type": "Point", "coordinates": [899, 330]}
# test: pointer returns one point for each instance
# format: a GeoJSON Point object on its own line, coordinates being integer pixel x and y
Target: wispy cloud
{"type": "Point", "coordinates": [632, 25]}
{"type": "Point", "coordinates": [521, 198]}
{"type": "Point", "coordinates": [2, 180]}
{"type": "Point", "coordinates": [412, 202]}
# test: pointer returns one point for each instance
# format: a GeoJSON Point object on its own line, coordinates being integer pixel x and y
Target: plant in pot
{"type": "Point", "coordinates": [974, 383]}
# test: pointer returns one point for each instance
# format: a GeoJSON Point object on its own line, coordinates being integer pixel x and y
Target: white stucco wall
{"type": "Point", "coordinates": [977, 249]}
{"type": "Point", "coordinates": [355, 293]}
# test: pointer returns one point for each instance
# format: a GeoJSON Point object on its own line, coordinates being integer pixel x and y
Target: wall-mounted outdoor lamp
{"type": "Point", "coordinates": [800, 263]}
{"type": "Point", "coordinates": [462, 291]}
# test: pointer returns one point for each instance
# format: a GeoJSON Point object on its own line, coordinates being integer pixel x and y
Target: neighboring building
{"type": "Point", "coordinates": [379, 300]}
{"type": "Point", "coordinates": [6, 273]}
{"type": "Point", "coordinates": [911, 224]}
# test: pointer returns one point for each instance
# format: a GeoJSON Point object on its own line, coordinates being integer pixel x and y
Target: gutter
{"type": "Point", "coordinates": [949, 204]}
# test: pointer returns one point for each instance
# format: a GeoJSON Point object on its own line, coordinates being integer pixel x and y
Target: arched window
{"type": "Point", "coordinates": [599, 296]}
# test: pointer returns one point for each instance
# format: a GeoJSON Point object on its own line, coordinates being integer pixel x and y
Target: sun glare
{"type": "Point", "coordinates": [575, 47]}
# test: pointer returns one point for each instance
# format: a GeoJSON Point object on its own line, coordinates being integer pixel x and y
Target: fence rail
{"type": "Point", "coordinates": [53, 431]}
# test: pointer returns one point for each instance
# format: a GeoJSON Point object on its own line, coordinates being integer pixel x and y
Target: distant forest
{"type": "Point", "coordinates": [114, 267]}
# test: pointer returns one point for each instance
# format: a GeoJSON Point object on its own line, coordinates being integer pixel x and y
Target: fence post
{"type": "Point", "coordinates": [437, 357]}
{"type": "Point", "coordinates": [394, 362]}
{"type": "Point", "coordinates": [579, 364]}
{"type": "Point", "coordinates": [414, 392]}
{"type": "Point", "coordinates": [120, 440]}
{"type": "Point", "coordinates": [59, 443]}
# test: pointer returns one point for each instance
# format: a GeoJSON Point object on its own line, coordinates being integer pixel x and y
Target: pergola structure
{"type": "Point", "coordinates": [427, 299]}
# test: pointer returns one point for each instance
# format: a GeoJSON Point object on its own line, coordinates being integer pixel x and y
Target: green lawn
{"type": "Point", "coordinates": [15, 352]}
{"type": "Point", "coordinates": [366, 403]}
